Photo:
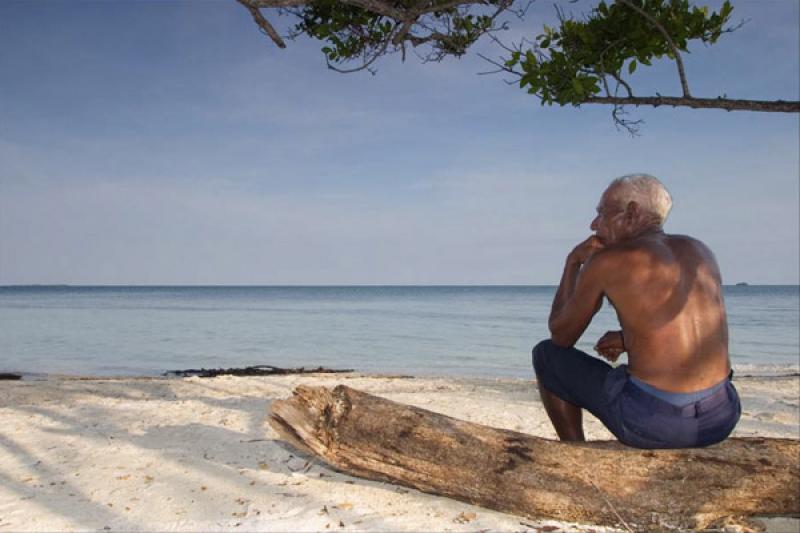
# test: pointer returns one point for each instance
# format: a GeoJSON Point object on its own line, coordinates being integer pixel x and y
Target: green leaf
{"type": "Point", "coordinates": [726, 10]}
{"type": "Point", "coordinates": [632, 66]}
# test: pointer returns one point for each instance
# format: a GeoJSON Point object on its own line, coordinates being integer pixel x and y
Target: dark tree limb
{"type": "Point", "coordinates": [263, 23]}
{"type": "Point", "coordinates": [596, 482]}
{"type": "Point", "coordinates": [774, 106]}
{"type": "Point", "coordinates": [383, 7]}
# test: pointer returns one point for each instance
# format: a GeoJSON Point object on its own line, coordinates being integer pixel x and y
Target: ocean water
{"type": "Point", "coordinates": [445, 330]}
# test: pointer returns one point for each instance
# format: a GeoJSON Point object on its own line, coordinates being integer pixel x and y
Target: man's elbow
{"type": "Point", "coordinates": [564, 341]}
{"type": "Point", "coordinates": [560, 336]}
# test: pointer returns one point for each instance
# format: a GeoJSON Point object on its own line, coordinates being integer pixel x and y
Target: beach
{"type": "Point", "coordinates": [197, 454]}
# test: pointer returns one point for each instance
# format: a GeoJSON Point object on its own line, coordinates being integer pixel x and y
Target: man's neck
{"type": "Point", "coordinates": [647, 231]}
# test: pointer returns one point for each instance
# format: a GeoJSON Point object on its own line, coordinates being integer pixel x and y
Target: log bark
{"type": "Point", "coordinates": [601, 482]}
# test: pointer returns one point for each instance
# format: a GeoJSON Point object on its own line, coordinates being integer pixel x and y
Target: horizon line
{"type": "Point", "coordinates": [325, 285]}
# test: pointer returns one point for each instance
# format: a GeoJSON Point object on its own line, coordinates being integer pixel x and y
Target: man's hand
{"type": "Point", "coordinates": [582, 252]}
{"type": "Point", "coordinates": [611, 345]}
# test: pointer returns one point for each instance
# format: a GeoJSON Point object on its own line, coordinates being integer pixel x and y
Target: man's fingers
{"type": "Point", "coordinates": [608, 345]}
{"type": "Point", "coordinates": [612, 354]}
{"type": "Point", "coordinates": [611, 340]}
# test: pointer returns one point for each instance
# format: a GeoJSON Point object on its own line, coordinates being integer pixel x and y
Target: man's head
{"type": "Point", "coordinates": [630, 206]}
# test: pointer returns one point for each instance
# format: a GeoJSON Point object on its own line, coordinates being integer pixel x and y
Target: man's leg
{"type": "Point", "coordinates": [566, 417]}
{"type": "Point", "coordinates": [569, 380]}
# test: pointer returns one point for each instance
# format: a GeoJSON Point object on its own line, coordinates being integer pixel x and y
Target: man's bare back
{"type": "Point", "coordinates": [666, 291]}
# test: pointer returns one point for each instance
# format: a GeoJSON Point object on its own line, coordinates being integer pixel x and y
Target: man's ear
{"type": "Point", "coordinates": [632, 212]}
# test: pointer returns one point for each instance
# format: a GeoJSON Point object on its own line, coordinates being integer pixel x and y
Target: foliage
{"type": "Point", "coordinates": [572, 62]}
{"type": "Point", "coordinates": [353, 33]}
{"type": "Point", "coordinates": [348, 30]}
{"type": "Point", "coordinates": [581, 61]}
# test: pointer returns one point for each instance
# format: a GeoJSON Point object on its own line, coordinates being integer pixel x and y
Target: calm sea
{"type": "Point", "coordinates": [449, 330]}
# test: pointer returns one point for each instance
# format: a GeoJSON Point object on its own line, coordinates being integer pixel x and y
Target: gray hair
{"type": "Point", "coordinates": [647, 191]}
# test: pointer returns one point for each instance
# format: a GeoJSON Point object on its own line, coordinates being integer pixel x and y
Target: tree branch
{"type": "Point", "coordinates": [263, 23]}
{"type": "Point", "coordinates": [670, 42]}
{"type": "Point", "coordinates": [614, 75]}
{"type": "Point", "coordinates": [773, 106]}
{"type": "Point", "coordinates": [376, 6]}
{"type": "Point", "coordinates": [501, 67]}
{"type": "Point", "coordinates": [365, 66]}
{"type": "Point", "coordinates": [622, 82]}
{"type": "Point", "coordinates": [382, 7]}
{"type": "Point", "coordinates": [277, 3]}
{"type": "Point", "coordinates": [443, 6]}
{"type": "Point", "coordinates": [400, 36]}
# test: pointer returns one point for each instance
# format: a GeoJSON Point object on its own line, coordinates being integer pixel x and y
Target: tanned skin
{"type": "Point", "coordinates": [666, 290]}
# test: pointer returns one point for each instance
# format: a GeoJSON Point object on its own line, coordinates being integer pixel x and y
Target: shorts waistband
{"type": "Point", "coordinates": [720, 396]}
{"type": "Point", "coordinates": [678, 399]}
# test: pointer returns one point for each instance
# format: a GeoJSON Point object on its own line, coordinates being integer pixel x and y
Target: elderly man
{"type": "Point", "coordinates": [675, 391]}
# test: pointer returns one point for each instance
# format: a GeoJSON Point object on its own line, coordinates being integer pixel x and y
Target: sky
{"type": "Point", "coordinates": [171, 143]}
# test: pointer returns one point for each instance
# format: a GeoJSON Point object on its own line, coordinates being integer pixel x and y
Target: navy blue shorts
{"type": "Point", "coordinates": [634, 416]}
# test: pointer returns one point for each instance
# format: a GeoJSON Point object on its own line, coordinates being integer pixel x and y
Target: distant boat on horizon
{"type": "Point", "coordinates": [742, 284]}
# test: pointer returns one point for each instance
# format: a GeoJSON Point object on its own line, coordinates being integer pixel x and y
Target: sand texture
{"type": "Point", "coordinates": [197, 455]}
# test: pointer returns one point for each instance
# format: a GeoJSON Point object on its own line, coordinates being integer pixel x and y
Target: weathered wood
{"type": "Point", "coordinates": [596, 482]}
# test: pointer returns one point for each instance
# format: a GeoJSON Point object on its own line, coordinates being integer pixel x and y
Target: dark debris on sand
{"type": "Point", "coordinates": [257, 370]}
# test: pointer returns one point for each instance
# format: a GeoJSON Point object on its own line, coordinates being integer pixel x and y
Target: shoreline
{"type": "Point", "coordinates": [746, 371]}
{"type": "Point", "coordinates": [191, 454]}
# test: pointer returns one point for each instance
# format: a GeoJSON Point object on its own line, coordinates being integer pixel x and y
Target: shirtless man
{"type": "Point", "coordinates": [675, 391]}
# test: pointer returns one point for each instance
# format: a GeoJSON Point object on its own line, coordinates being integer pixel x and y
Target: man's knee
{"type": "Point", "coordinates": [541, 353]}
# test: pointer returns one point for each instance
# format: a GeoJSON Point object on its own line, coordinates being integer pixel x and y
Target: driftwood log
{"type": "Point", "coordinates": [604, 483]}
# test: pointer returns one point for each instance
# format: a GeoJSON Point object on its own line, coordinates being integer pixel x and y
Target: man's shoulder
{"type": "Point", "coordinates": [684, 239]}
{"type": "Point", "coordinates": [624, 251]}
{"type": "Point", "coordinates": [609, 260]}
{"type": "Point", "coordinates": [637, 253]}
{"type": "Point", "coordinates": [662, 253]}
{"type": "Point", "coordinates": [683, 244]}
{"type": "Point", "coordinates": [655, 244]}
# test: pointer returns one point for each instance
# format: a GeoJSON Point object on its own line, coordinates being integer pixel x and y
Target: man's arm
{"type": "Point", "coordinates": [579, 295]}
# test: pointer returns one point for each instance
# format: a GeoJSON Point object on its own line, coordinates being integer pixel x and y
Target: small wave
{"type": "Point", "coordinates": [767, 376]}
{"type": "Point", "coordinates": [757, 371]}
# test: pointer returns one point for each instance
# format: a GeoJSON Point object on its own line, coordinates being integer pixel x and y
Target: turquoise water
{"type": "Point", "coordinates": [451, 331]}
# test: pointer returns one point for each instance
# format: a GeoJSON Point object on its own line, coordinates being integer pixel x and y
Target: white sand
{"type": "Point", "coordinates": [196, 454]}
